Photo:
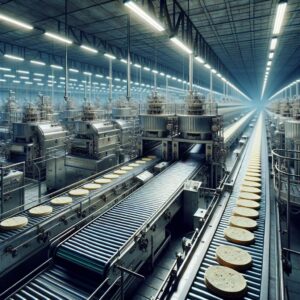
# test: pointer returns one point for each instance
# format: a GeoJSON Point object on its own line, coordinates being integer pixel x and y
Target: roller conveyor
{"type": "Point", "coordinates": [104, 238]}
{"type": "Point", "coordinates": [258, 250]}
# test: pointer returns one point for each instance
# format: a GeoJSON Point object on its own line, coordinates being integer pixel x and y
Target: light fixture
{"type": "Point", "coordinates": [40, 84]}
{"type": "Point", "coordinates": [224, 79]}
{"type": "Point", "coordinates": [271, 55]}
{"type": "Point", "coordinates": [279, 17]}
{"type": "Point", "coordinates": [207, 66]}
{"type": "Point", "coordinates": [2, 80]}
{"type": "Point", "coordinates": [200, 59]}
{"type": "Point", "coordinates": [99, 75]}
{"type": "Point", "coordinates": [38, 74]}
{"type": "Point", "coordinates": [9, 76]}
{"type": "Point", "coordinates": [142, 14]}
{"type": "Point", "coordinates": [110, 56]}
{"type": "Point", "coordinates": [13, 57]}
{"type": "Point", "coordinates": [219, 75]}
{"type": "Point", "coordinates": [181, 45]}
{"type": "Point", "coordinates": [37, 62]}
{"type": "Point", "coordinates": [15, 22]}
{"type": "Point", "coordinates": [89, 49]}
{"type": "Point", "coordinates": [22, 72]}
{"type": "Point", "coordinates": [124, 61]}
{"type": "Point", "coordinates": [87, 73]}
{"type": "Point", "coordinates": [24, 77]}
{"type": "Point", "coordinates": [37, 79]}
{"type": "Point", "coordinates": [16, 81]}
{"type": "Point", "coordinates": [273, 43]}
{"type": "Point", "coordinates": [269, 63]}
{"type": "Point", "coordinates": [73, 70]}
{"type": "Point", "coordinates": [268, 68]}
{"type": "Point", "coordinates": [162, 74]}
{"type": "Point", "coordinates": [137, 66]}
{"type": "Point", "coordinates": [214, 71]}
{"type": "Point", "coordinates": [58, 38]}
{"type": "Point", "coordinates": [28, 82]}
{"type": "Point", "coordinates": [146, 69]}
{"type": "Point", "coordinates": [155, 71]}
{"type": "Point", "coordinates": [5, 69]}
{"type": "Point", "coordinates": [56, 67]}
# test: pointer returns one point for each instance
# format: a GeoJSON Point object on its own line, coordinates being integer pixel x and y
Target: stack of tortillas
{"type": "Point", "coordinates": [40, 211]}
{"type": "Point", "coordinates": [14, 223]}
{"type": "Point", "coordinates": [78, 192]}
{"type": "Point", "coordinates": [61, 201]}
{"type": "Point", "coordinates": [225, 282]}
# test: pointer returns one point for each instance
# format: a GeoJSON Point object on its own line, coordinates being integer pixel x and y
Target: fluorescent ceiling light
{"type": "Point", "coordinates": [273, 43]}
{"type": "Point", "coordinates": [200, 59]}
{"type": "Point", "coordinates": [137, 66]}
{"type": "Point", "coordinates": [162, 74]}
{"type": "Point", "coordinates": [40, 83]}
{"type": "Point", "coordinates": [38, 74]}
{"type": "Point", "coordinates": [56, 67]}
{"type": "Point", "coordinates": [146, 17]}
{"type": "Point", "coordinates": [87, 73]}
{"type": "Point", "coordinates": [58, 38]}
{"type": "Point", "coordinates": [219, 75]}
{"type": "Point", "coordinates": [146, 69]}
{"type": "Point", "coordinates": [37, 62]}
{"type": "Point", "coordinates": [271, 55]}
{"type": "Point", "coordinates": [16, 81]}
{"type": "Point", "coordinates": [22, 72]}
{"type": "Point", "coordinates": [181, 45]}
{"type": "Point", "coordinates": [51, 76]}
{"type": "Point", "coordinates": [279, 17]}
{"type": "Point", "coordinates": [117, 79]}
{"type": "Point", "coordinates": [13, 57]}
{"type": "Point", "coordinates": [89, 49]}
{"type": "Point", "coordinates": [15, 22]}
{"type": "Point", "coordinates": [269, 63]}
{"type": "Point", "coordinates": [24, 77]}
{"type": "Point", "coordinates": [109, 56]}
{"type": "Point", "coordinates": [174, 78]}
{"type": "Point", "coordinates": [155, 71]}
{"type": "Point", "coordinates": [207, 66]}
{"type": "Point", "coordinates": [9, 76]}
{"type": "Point", "coordinates": [28, 82]}
{"type": "Point", "coordinates": [124, 61]}
{"type": "Point", "coordinates": [267, 68]}
{"type": "Point", "coordinates": [73, 79]}
{"type": "Point", "coordinates": [5, 69]}
{"type": "Point", "coordinates": [224, 79]}
{"type": "Point", "coordinates": [214, 71]}
{"type": "Point", "coordinates": [73, 70]}
{"type": "Point", "coordinates": [37, 79]}
{"type": "Point", "coordinates": [99, 75]}
{"type": "Point", "coordinates": [62, 78]}
{"type": "Point", "coordinates": [2, 80]}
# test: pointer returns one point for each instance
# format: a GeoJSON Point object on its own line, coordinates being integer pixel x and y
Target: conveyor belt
{"type": "Point", "coordinates": [198, 289]}
{"type": "Point", "coordinates": [34, 221]}
{"type": "Point", "coordinates": [95, 246]}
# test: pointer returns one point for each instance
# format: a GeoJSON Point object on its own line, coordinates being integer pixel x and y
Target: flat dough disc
{"type": "Point", "coordinates": [254, 170]}
{"type": "Point", "coordinates": [140, 162]}
{"type": "Point", "coordinates": [251, 178]}
{"type": "Point", "coordinates": [239, 235]}
{"type": "Point", "coordinates": [42, 210]}
{"type": "Point", "coordinates": [102, 180]}
{"type": "Point", "coordinates": [146, 159]}
{"type": "Point", "coordinates": [13, 223]}
{"type": "Point", "coordinates": [120, 172]}
{"type": "Point", "coordinates": [233, 257]}
{"type": "Point", "coordinates": [61, 201]}
{"type": "Point", "coordinates": [79, 192]}
{"type": "Point", "coordinates": [243, 222]}
{"type": "Point", "coordinates": [245, 212]}
{"type": "Point", "coordinates": [248, 203]}
{"type": "Point", "coordinates": [126, 168]}
{"type": "Point", "coordinates": [111, 176]}
{"type": "Point", "coordinates": [225, 282]}
{"type": "Point", "coordinates": [251, 183]}
{"type": "Point", "coordinates": [92, 186]}
{"type": "Point", "coordinates": [250, 189]}
{"type": "Point", "coordinates": [253, 174]}
{"type": "Point", "coordinates": [133, 165]}
{"type": "Point", "coordinates": [151, 156]}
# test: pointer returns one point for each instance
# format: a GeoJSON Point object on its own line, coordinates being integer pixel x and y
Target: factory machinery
{"type": "Point", "coordinates": [97, 245]}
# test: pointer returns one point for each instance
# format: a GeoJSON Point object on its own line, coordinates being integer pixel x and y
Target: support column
{"type": "Point", "coordinates": [191, 72]}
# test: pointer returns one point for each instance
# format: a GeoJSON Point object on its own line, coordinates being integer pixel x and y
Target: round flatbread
{"type": "Point", "coordinates": [225, 282]}
{"type": "Point", "coordinates": [233, 257]}
{"type": "Point", "coordinates": [133, 165]}
{"type": "Point", "coordinates": [248, 203]}
{"type": "Point", "coordinates": [253, 174]}
{"type": "Point", "coordinates": [146, 159]}
{"type": "Point", "coordinates": [251, 178]}
{"type": "Point", "coordinates": [14, 223]}
{"type": "Point", "coordinates": [79, 192]}
{"type": "Point", "coordinates": [239, 235]}
{"type": "Point", "coordinates": [92, 186]}
{"type": "Point", "coordinates": [126, 168]}
{"type": "Point", "coordinates": [42, 210]}
{"type": "Point", "coordinates": [151, 156]}
{"type": "Point", "coordinates": [102, 180]}
{"type": "Point", "coordinates": [120, 172]}
{"type": "Point", "coordinates": [111, 176]}
{"type": "Point", "coordinates": [251, 184]}
{"type": "Point", "coordinates": [61, 201]}
{"type": "Point", "coordinates": [242, 222]}
{"type": "Point", "coordinates": [250, 189]}
{"type": "Point", "coordinates": [140, 162]}
{"type": "Point", "coordinates": [245, 212]}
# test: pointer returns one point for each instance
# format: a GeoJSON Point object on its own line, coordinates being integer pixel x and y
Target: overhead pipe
{"type": "Point", "coordinates": [128, 60]}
